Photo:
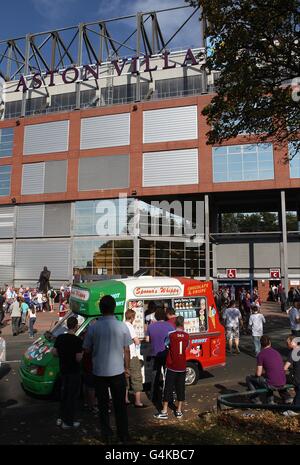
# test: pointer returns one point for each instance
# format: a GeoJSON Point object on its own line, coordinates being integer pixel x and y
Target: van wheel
{"type": "Point", "coordinates": [191, 374]}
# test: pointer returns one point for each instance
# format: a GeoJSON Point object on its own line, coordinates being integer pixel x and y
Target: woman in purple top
{"type": "Point", "coordinates": [156, 334]}
{"type": "Point", "coordinates": [269, 372]}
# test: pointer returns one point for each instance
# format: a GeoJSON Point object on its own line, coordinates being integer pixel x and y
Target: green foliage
{"type": "Point", "coordinates": [256, 222]}
{"type": "Point", "coordinates": [255, 47]}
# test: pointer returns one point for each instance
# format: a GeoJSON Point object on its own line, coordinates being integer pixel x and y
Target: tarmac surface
{"type": "Point", "coordinates": [26, 419]}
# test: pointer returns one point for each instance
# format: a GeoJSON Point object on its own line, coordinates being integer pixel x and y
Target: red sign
{"type": "Point", "coordinates": [275, 273]}
{"type": "Point", "coordinates": [231, 273]}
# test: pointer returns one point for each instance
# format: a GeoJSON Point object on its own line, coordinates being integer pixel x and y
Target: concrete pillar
{"type": "Point", "coordinates": [207, 254]}
{"type": "Point", "coordinates": [284, 268]}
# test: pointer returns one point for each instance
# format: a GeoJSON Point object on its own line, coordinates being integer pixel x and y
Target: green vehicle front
{"type": "Point", "coordinates": [39, 369]}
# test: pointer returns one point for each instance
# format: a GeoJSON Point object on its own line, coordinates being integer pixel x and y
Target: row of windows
{"type": "Point", "coordinates": [164, 88]}
{"type": "Point", "coordinates": [250, 162]}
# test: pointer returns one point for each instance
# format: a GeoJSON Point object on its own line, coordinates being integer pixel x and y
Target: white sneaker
{"type": "Point", "coordinates": [65, 426]}
{"type": "Point", "coordinates": [59, 422]}
{"type": "Point", "coordinates": [290, 413]}
{"type": "Point", "coordinates": [76, 424]}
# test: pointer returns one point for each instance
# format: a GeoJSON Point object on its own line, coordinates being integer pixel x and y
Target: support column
{"type": "Point", "coordinates": [284, 242]}
{"type": "Point", "coordinates": [139, 19]}
{"type": "Point", "coordinates": [215, 267]}
{"type": "Point", "coordinates": [26, 72]}
{"type": "Point", "coordinates": [207, 254]}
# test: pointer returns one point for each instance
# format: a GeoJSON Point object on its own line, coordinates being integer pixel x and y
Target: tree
{"type": "Point", "coordinates": [255, 45]}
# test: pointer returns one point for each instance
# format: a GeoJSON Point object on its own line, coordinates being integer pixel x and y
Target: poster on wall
{"type": "Point", "coordinates": [138, 324]}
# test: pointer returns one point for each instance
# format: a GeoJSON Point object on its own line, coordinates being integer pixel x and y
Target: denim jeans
{"type": "Point", "coordinates": [256, 342]}
{"type": "Point", "coordinates": [15, 324]}
{"type": "Point", "coordinates": [31, 323]}
{"type": "Point", "coordinates": [117, 386]}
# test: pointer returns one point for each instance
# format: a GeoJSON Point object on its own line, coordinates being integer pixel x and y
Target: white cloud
{"type": "Point", "coordinates": [53, 10]}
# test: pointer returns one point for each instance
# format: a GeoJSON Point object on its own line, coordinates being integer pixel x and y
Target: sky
{"type": "Point", "coordinates": [20, 17]}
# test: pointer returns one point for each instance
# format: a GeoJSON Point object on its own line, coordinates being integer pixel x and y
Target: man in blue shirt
{"type": "Point", "coordinates": [108, 340]}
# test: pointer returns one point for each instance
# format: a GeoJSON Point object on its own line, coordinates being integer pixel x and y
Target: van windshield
{"type": "Point", "coordinates": [61, 326]}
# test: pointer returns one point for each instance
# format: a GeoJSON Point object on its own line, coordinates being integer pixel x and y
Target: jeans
{"type": "Point", "coordinates": [117, 386]}
{"type": "Point", "coordinates": [158, 363]}
{"type": "Point", "coordinates": [70, 391]}
{"type": "Point", "coordinates": [1, 315]}
{"type": "Point", "coordinates": [15, 324]}
{"type": "Point", "coordinates": [256, 342]}
{"type": "Point", "coordinates": [23, 318]}
{"type": "Point", "coordinates": [259, 382]}
{"type": "Point", "coordinates": [31, 323]}
{"type": "Point", "coordinates": [297, 396]}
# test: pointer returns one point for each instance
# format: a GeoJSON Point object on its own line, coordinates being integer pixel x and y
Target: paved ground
{"type": "Point", "coordinates": [32, 421]}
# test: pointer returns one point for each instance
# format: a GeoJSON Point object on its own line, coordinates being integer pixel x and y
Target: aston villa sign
{"type": "Point", "coordinates": [74, 74]}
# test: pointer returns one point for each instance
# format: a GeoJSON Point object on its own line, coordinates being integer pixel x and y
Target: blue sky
{"type": "Point", "coordinates": [19, 17]}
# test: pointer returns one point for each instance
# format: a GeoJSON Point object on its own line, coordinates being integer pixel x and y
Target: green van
{"type": "Point", "coordinates": [190, 298]}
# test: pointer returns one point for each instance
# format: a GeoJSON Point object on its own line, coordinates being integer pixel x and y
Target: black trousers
{"type": "Point", "coordinates": [158, 363]}
{"type": "Point", "coordinates": [117, 386]}
{"type": "Point", "coordinates": [70, 391]}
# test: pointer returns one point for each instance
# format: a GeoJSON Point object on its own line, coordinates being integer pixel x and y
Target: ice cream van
{"type": "Point", "coordinates": [190, 298]}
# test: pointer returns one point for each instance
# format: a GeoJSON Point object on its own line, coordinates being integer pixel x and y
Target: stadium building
{"type": "Point", "coordinates": [98, 132]}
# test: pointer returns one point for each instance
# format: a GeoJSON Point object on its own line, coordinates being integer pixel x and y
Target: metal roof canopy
{"type": "Point", "coordinates": [88, 43]}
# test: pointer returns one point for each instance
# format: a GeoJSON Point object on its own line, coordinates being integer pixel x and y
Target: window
{"type": "Point", "coordinates": [5, 175]}
{"type": "Point", "coordinates": [243, 163]}
{"type": "Point", "coordinates": [36, 106]}
{"type": "Point", "coordinates": [6, 142]}
{"type": "Point", "coordinates": [88, 98]}
{"type": "Point", "coordinates": [60, 102]}
{"type": "Point", "coordinates": [294, 161]}
{"type": "Point", "coordinates": [13, 109]}
{"type": "Point", "coordinates": [122, 94]}
{"type": "Point", "coordinates": [188, 85]}
{"type": "Point", "coordinates": [44, 178]}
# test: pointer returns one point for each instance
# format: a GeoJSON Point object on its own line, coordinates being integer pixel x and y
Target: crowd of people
{"type": "Point", "coordinates": [106, 357]}
{"type": "Point", "coordinates": [271, 372]}
{"type": "Point", "coordinates": [108, 352]}
{"type": "Point", "coordinates": [21, 306]}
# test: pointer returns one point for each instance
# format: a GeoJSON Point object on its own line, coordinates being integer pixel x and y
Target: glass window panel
{"type": "Point", "coordinates": [266, 174]}
{"type": "Point", "coordinates": [249, 148]}
{"type": "Point", "coordinates": [235, 176]}
{"type": "Point", "coordinates": [220, 150]}
{"type": "Point", "coordinates": [6, 142]}
{"type": "Point", "coordinates": [294, 162]}
{"type": "Point", "coordinates": [220, 177]}
{"type": "Point", "coordinates": [234, 149]}
{"type": "Point", "coordinates": [12, 109]}
{"type": "Point", "coordinates": [250, 158]}
{"type": "Point", "coordinates": [250, 176]}
{"type": "Point", "coordinates": [234, 158]}
{"type": "Point", "coordinates": [5, 178]}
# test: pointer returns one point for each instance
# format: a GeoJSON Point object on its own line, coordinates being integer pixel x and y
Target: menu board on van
{"type": "Point", "coordinates": [194, 311]}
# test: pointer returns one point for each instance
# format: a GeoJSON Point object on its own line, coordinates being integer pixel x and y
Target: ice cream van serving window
{"type": "Point", "coordinates": [194, 311]}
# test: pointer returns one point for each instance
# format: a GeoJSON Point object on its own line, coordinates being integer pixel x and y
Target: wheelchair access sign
{"type": "Point", "coordinates": [231, 273]}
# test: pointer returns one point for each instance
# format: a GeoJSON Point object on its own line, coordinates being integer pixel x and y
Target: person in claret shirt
{"type": "Point", "coordinates": [176, 342]}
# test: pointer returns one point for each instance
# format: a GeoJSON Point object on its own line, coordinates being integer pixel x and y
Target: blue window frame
{"type": "Point", "coordinates": [249, 162]}
{"type": "Point", "coordinates": [294, 162]}
{"type": "Point", "coordinates": [6, 142]}
{"type": "Point", "coordinates": [5, 176]}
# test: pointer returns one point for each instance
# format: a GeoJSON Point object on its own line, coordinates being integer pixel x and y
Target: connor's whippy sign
{"type": "Point", "coordinates": [74, 74]}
